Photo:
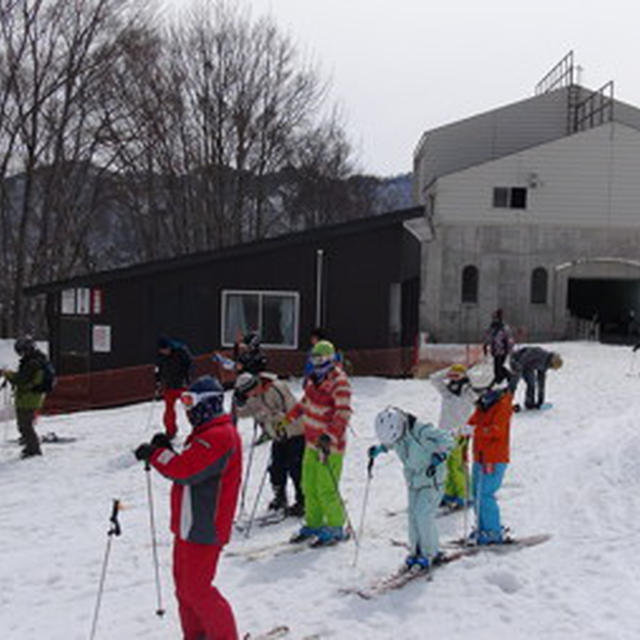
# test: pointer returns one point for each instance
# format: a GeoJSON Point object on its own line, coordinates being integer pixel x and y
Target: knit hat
{"type": "Point", "coordinates": [24, 345]}
{"type": "Point", "coordinates": [164, 342]}
{"type": "Point", "coordinates": [556, 361]}
{"type": "Point", "coordinates": [456, 371]}
{"type": "Point", "coordinates": [206, 397]}
{"type": "Point", "coordinates": [323, 348]}
{"type": "Point", "coordinates": [245, 382]}
{"type": "Point", "coordinates": [481, 376]}
{"type": "Point", "coordinates": [252, 339]}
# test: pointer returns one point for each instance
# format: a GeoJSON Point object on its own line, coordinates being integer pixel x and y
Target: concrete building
{"type": "Point", "coordinates": [533, 207]}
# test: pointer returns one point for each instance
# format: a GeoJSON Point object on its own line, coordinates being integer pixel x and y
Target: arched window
{"type": "Point", "coordinates": [539, 281]}
{"type": "Point", "coordinates": [470, 284]}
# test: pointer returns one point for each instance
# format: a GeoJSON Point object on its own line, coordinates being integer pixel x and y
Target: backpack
{"type": "Point", "coordinates": [48, 376]}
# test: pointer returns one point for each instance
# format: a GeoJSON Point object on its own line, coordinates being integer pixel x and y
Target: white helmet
{"type": "Point", "coordinates": [390, 425]}
{"type": "Point", "coordinates": [481, 375]}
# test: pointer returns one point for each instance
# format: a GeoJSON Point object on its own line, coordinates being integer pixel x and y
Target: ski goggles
{"type": "Point", "coordinates": [191, 398]}
{"type": "Point", "coordinates": [318, 361]}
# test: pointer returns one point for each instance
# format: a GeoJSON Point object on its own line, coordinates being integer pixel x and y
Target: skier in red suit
{"type": "Point", "coordinates": [206, 479]}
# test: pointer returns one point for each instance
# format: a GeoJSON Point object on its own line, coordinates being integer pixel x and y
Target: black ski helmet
{"type": "Point", "coordinates": [24, 345]}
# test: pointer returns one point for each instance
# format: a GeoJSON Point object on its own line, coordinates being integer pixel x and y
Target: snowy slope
{"type": "Point", "coordinates": [574, 474]}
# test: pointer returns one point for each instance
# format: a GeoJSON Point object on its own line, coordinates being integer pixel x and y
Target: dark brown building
{"type": "Point", "coordinates": [359, 280]}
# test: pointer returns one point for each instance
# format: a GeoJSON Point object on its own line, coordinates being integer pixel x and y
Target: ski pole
{"type": "Point", "coordinates": [114, 530]}
{"type": "Point", "coordinates": [252, 515]}
{"type": "Point", "coordinates": [342, 502]}
{"type": "Point", "coordinates": [364, 508]}
{"type": "Point", "coordinates": [465, 519]}
{"type": "Point", "coordinates": [154, 547]}
{"type": "Point", "coordinates": [245, 484]}
{"type": "Point", "coordinates": [478, 496]}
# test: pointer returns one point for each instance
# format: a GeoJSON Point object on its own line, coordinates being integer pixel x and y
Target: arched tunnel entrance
{"type": "Point", "coordinates": [615, 303]}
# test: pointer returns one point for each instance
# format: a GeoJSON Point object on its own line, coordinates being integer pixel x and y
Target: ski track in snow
{"type": "Point", "coordinates": [574, 474]}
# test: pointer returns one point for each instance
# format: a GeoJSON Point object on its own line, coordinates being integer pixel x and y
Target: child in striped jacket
{"type": "Point", "coordinates": [325, 409]}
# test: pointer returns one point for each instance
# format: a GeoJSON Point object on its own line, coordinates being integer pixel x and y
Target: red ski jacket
{"type": "Point", "coordinates": [325, 409]}
{"type": "Point", "coordinates": [206, 481]}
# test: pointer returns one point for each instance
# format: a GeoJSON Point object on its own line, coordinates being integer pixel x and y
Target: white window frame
{"type": "Point", "coordinates": [260, 293]}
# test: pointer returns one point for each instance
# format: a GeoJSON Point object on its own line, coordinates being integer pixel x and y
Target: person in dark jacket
{"type": "Point", "coordinates": [532, 364]}
{"type": "Point", "coordinates": [173, 374]}
{"type": "Point", "coordinates": [206, 479]}
{"type": "Point", "coordinates": [499, 342]}
{"type": "Point", "coordinates": [29, 398]}
{"type": "Point", "coordinates": [248, 355]}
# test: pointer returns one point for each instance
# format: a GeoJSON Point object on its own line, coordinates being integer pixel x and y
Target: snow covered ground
{"type": "Point", "coordinates": [575, 474]}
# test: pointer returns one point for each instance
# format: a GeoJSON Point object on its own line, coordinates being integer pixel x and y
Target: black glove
{"type": "Point", "coordinates": [161, 441]}
{"type": "Point", "coordinates": [324, 445]}
{"type": "Point", "coordinates": [375, 450]}
{"type": "Point", "coordinates": [436, 459]}
{"type": "Point", "coordinates": [636, 347]}
{"type": "Point", "coordinates": [239, 398]}
{"type": "Point", "coordinates": [144, 451]}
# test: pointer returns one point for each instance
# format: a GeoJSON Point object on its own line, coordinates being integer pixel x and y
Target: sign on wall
{"type": "Point", "coordinates": [81, 301]}
{"type": "Point", "coordinates": [101, 338]}
{"type": "Point", "coordinates": [96, 301]}
{"type": "Point", "coordinates": [68, 301]}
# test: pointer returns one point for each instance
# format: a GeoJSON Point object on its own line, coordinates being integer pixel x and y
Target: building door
{"type": "Point", "coordinates": [75, 345]}
{"type": "Point", "coordinates": [410, 311]}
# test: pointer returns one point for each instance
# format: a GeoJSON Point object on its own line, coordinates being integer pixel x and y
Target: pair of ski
{"type": "Point", "coordinates": [282, 548]}
{"type": "Point", "coordinates": [281, 631]}
{"type": "Point", "coordinates": [459, 550]}
{"type": "Point", "coordinates": [545, 406]}
{"type": "Point", "coordinates": [274, 517]}
{"type": "Point", "coordinates": [441, 513]}
{"type": "Point", "coordinates": [48, 438]}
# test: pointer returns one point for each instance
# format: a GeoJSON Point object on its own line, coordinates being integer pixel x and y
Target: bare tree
{"type": "Point", "coordinates": [122, 141]}
{"type": "Point", "coordinates": [58, 53]}
{"type": "Point", "coordinates": [218, 108]}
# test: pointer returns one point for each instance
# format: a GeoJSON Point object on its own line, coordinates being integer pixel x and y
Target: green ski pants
{"type": "Point", "coordinates": [322, 504]}
{"type": "Point", "coordinates": [456, 482]}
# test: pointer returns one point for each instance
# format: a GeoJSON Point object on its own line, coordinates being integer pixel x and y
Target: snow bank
{"type": "Point", "coordinates": [574, 474]}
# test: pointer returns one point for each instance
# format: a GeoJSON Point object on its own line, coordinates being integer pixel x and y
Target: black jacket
{"type": "Point", "coordinates": [253, 361]}
{"type": "Point", "coordinates": [174, 370]}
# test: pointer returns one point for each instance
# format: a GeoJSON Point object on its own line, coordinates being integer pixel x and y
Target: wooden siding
{"type": "Point", "coordinates": [182, 298]}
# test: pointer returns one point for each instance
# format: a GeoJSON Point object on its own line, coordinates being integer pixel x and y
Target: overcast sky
{"type": "Point", "coordinates": [400, 67]}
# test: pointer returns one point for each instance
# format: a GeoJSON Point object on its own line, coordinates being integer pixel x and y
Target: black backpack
{"type": "Point", "coordinates": [48, 375]}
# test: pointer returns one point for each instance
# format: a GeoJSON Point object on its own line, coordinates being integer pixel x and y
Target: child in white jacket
{"type": "Point", "coordinates": [458, 403]}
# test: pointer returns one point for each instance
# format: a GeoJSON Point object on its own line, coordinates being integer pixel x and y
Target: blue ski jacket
{"type": "Point", "coordinates": [415, 448]}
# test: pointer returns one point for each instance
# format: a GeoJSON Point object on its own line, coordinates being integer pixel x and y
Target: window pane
{"type": "Point", "coordinates": [278, 319]}
{"type": "Point", "coordinates": [470, 284]}
{"type": "Point", "coordinates": [539, 286]}
{"type": "Point", "coordinates": [518, 198]}
{"type": "Point", "coordinates": [241, 313]}
{"type": "Point", "coordinates": [500, 197]}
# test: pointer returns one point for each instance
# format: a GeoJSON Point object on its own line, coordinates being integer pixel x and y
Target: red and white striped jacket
{"type": "Point", "coordinates": [325, 408]}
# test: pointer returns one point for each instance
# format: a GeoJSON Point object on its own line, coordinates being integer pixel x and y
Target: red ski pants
{"type": "Point", "coordinates": [204, 612]}
{"type": "Point", "coordinates": [171, 396]}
